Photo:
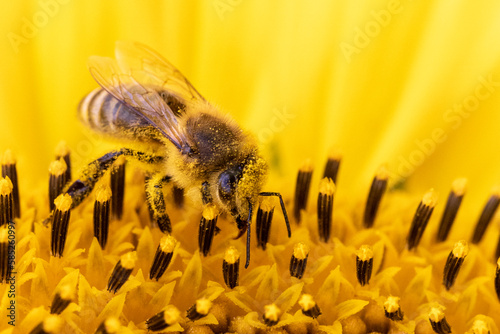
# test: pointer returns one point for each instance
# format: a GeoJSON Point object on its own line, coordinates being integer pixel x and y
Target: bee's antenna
{"type": "Point", "coordinates": [249, 222]}
{"type": "Point", "coordinates": [282, 208]}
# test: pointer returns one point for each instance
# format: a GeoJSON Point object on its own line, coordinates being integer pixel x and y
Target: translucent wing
{"type": "Point", "coordinates": [145, 63]}
{"type": "Point", "coordinates": [141, 96]}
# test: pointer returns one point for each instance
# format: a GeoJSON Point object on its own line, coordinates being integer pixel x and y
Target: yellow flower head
{"type": "Point", "coordinates": [382, 100]}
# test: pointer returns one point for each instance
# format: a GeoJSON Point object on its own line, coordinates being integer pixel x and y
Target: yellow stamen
{"type": "Point", "coordinates": [5, 186]}
{"type": "Point", "coordinates": [231, 267]}
{"type": "Point", "coordinates": [459, 186]}
{"type": "Point", "coordinates": [298, 262]}
{"type": "Point", "coordinates": [61, 149]}
{"type": "Point", "coordinates": [382, 173]}
{"type": "Point", "coordinates": [263, 221]}
{"type": "Point", "coordinates": [4, 234]}
{"type": "Point", "coordinates": [266, 204]}
{"type": "Point", "coordinates": [231, 255]}
{"type": "Point", "coordinates": [461, 249]}
{"type": "Point", "coordinates": [167, 243]}
{"type": "Point", "coordinates": [364, 264]}
{"type": "Point", "coordinates": [486, 215]}
{"type": "Point", "coordinates": [430, 198]}
{"type": "Point", "coordinates": [271, 314]}
{"type": "Point", "coordinates": [325, 208]}
{"type": "Point", "coordinates": [421, 218]}
{"type": "Point", "coordinates": [495, 191]}
{"type": "Point", "coordinates": [333, 164]}
{"type": "Point", "coordinates": [306, 166]}
{"type": "Point", "coordinates": [62, 298]}
{"type": "Point", "coordinates": [63, 202]}
{"type": "Point", "coordinates": [438, 321]}
{"type": "Point", "coordinates": [302, 187]}
{"type": "Point", "coordinates": [52, 324]}
{"type": "Point", "coordinates": [377, 190]}
{"type": "Point", "coordinates": [199, 310]}
{"type": "Point", "coordinates": [8, 158]}
{"type": "Point", "coordinates": [392, 308]}
{"type": "Point", "coordinates": [103, 193]}
{"type": "Point", "coordinates": [209, 212]}
{"type": "Point", "coordinates": [306, 302]}
{"type": "Point", "coordinates": [207, 228]}
{"type": "Point", "coordinates": [451, 210]}
{"type": "Point", "coordinates": [112, 325]}
{"type": "Point", "coordinates": [480, 327]}
{"type": "Point", "coordinates": [300, 251]}
{"type": "Point", "coordinates": [203, 306]}
{"type": "Point", "coordinates": [57, 167]}
{"type": "Point", "coordinates": [67, 292]}
{"type": "Point", "coordinates": [365, 253]}
{"type": "Point", "coordinates": [5, 266]}
{"type": "Point", "coordinates": [120, 160]}
{"type": "Point", "coordinates": [171, 315]}
{"type": "Point", "coordinates": [163, 257]}
{"type": "Point", "coordinates": [122, 271]}
{"type": "Point", "coordinates": [117, 184]}
{"type": "Point", "coordinates": [327, 187]}
{"type": "Point", "coordinates": [128, 260]}
{"type": "Point", "coordinates": [436, 314]}
{"type": "Point", "coordinates": [391, 305]}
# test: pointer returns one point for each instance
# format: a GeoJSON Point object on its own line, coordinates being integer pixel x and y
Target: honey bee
{"type": "Point", "coordinates": [144, 99]}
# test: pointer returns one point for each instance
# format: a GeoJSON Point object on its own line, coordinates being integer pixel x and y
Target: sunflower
{"type": "Point", "coordinates": [379, 123]}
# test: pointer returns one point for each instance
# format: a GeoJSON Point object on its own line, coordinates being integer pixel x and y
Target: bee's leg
{"type": "Point", "coordinates": [82, 187]}
{"type": "Point", "coordinates": [156, 201]}
{"type": "Point", "coordinates": [205, 193]}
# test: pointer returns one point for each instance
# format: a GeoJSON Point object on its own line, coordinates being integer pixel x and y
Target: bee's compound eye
{"type": "Point", "coordinates": [227, 183]}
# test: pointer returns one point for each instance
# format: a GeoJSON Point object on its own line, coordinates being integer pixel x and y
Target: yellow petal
{"type": "Point", "coordinates": [268, 288]}
{"type": "Point", "coordinates": [350, 307]}
{"type": "Point", "coordinates": [289, 297]}
{"type": "Point", "coordinates": [191, 279]}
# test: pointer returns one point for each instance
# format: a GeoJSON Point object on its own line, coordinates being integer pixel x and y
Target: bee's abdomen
{"type": "Point", "coordinates": [101, 112]}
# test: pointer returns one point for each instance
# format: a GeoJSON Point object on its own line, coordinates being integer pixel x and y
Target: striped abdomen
{"type": "Point", "coordinates": [101, 112]}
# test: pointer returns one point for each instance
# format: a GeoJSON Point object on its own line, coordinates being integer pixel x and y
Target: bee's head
{"type": "Point", "coordinates": [238, 186]}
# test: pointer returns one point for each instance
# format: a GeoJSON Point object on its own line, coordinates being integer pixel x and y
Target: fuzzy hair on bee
{"type": "Point", "coordinates": [186, 140]}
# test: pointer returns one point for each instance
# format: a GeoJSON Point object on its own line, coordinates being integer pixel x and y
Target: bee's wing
{"type": "Point", "coordinates": [145, 63]}
{"type": "Point", "coordinates": [140, 96]}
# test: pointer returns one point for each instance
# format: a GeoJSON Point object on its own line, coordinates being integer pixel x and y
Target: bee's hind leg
{"type": "Point", "coordinates": [156, 201]}
{"type": "Point", "coordinates": [81, 188]}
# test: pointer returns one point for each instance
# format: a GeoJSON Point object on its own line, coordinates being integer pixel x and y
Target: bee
{"type": "Point", "coordinates": [185, 140]}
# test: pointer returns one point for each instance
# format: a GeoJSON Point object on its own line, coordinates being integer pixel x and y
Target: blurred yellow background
{"type": "Point", "coordinates": [415, 84]}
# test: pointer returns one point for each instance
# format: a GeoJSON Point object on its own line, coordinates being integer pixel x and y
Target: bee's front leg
{"type": "Point", "coordinates": [206, 197]}
{"type": "Point", "coordinates": [156, 201]}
